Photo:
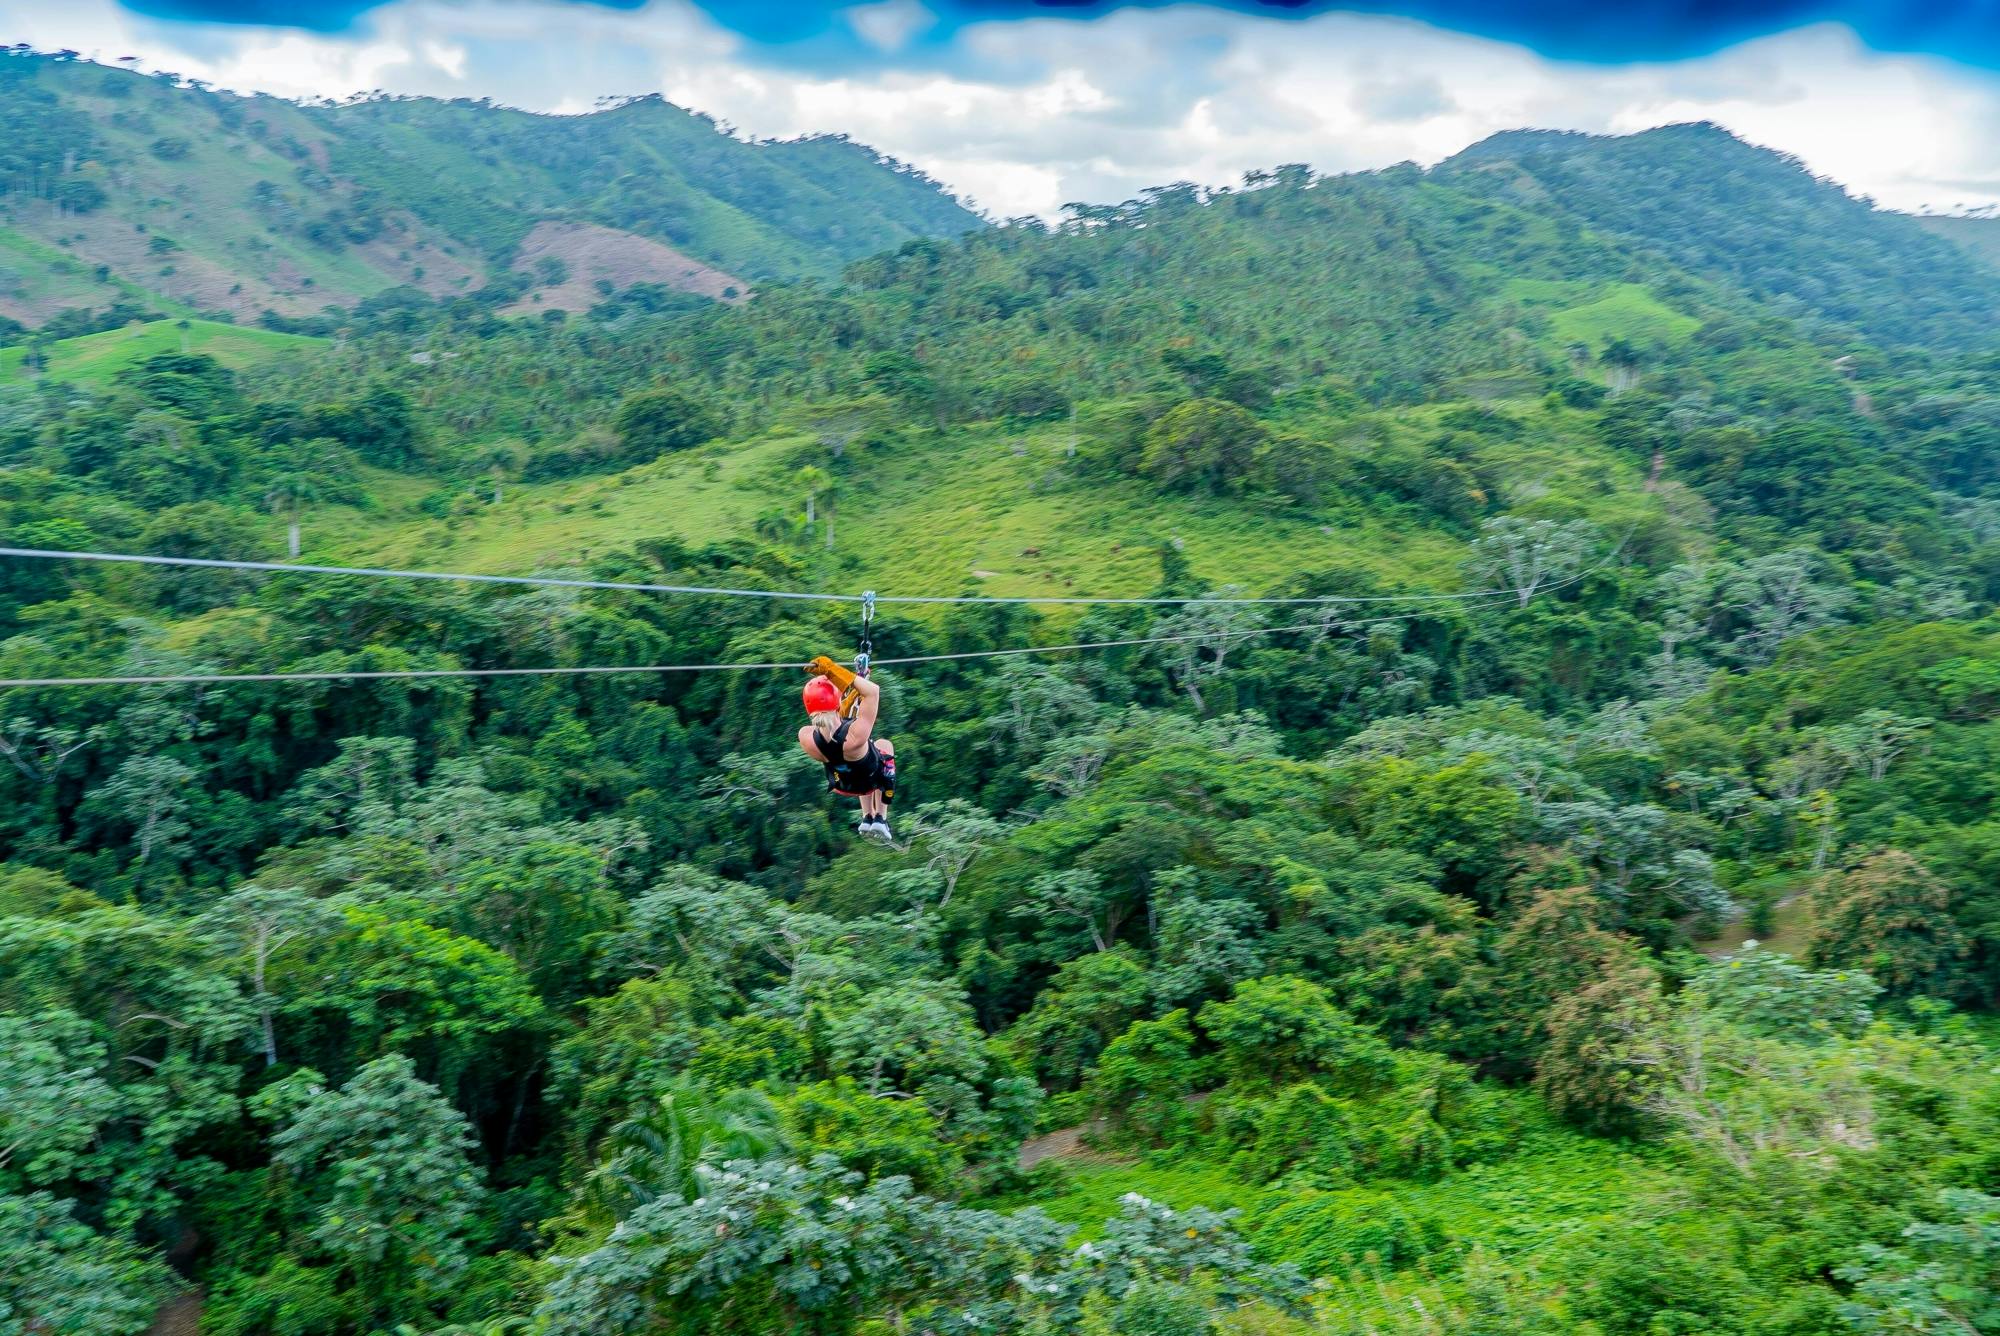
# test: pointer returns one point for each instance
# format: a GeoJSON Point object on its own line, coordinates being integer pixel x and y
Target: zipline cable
{"type": "Point", "coordinates": [561, 582]}
{"type": "Point", "coordinates": [867, 600]}
{"type": "Point", "coordinates": [374, 674]}
{"type": "Point", "coordinates": [218, 563]}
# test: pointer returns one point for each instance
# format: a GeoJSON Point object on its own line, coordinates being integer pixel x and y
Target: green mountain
{"type": "Point", "coordinates": [115, 187]}
{"type": "Point", "coordinates": [1379, 960]}
{"type": "Point", "coordinates": [1705, 202]}
{"type": "Point", "coordinates": [1978, 235]}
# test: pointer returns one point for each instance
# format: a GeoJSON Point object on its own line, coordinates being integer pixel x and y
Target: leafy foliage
{"type": "Point", "coordinates": [1409, 925]}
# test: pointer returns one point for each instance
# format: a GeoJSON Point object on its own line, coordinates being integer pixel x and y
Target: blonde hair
{"type": "Point", "coordinates": [826, 721]}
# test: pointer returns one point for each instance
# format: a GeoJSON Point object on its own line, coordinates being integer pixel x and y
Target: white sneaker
{"type": "Point", "coordinates": [877, 830]}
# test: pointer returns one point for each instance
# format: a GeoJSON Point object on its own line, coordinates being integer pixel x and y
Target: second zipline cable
{"type": "Point", "coordinates": [566, 582]}
{"type": "Point", "coordinates": [404, 674]}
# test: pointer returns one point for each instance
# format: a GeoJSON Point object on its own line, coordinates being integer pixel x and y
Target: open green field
{"type": "Point", "coordinates": [987, 510]}
{"type": "Point", "coordinates": [1558, 1185]}
{"type": "Point", "coordinates": [93, 359]}
{"type": "Point", "coordinates": [1594, 314]}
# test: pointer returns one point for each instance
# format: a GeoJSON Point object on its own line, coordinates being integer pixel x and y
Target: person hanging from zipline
{"type": "Point", "coordinates": [844, 706]}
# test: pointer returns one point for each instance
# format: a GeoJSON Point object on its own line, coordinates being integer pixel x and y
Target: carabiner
{"type": "Point", "coordinates": [867, 645]}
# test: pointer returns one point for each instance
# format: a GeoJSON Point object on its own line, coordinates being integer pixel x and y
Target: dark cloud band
{"type": "Point", "coordinates": [1588, 30]}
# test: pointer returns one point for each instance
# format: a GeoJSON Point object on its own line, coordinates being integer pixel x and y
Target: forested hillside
{"type": "Point", "coordinates": [156, 194]}
{"type": "Point", "coordinates": [1706, 202]}
{"type": "Point", "coordinates": [1577, 910]}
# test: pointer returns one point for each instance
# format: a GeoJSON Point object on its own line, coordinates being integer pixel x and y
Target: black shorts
{"type": "Point", "coordinates": [882, 781]}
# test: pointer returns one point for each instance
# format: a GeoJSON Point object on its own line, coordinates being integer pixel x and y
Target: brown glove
{"type": "Point", "coordinates": [839, 676]}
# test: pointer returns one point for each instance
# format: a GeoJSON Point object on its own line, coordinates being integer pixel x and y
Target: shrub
{"type": "Point", "coordinates": [1329, 1233]}
{"type": "Point", "coordinates": [654, 422]}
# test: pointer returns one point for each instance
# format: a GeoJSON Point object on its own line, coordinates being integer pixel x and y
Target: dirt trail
{"type": "Point", "coordinates": [178, 1316]}
{"type": "Point", "coordinates": [1065, 1143]}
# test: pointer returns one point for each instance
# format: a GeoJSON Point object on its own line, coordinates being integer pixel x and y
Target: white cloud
{"type": "Point", "coordinates": [888, 25]}
{"type": "Point", "coordinates": [1026, 115]}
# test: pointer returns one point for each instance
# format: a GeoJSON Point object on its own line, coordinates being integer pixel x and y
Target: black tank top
{"type": "Point", "coordinates": [855, 776]}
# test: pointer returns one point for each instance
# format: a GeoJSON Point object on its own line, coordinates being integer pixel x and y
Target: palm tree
{"type": "Point", "coordinates": [499, 461]}
{"type": "Point", "coordinates": [654, 1153]}
{"type": "Point", "coordinates": [815, 481]}
{"type": "Point", "coordinates": [288, 494]}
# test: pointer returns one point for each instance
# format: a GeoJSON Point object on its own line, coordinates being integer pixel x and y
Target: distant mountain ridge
{"type": "Point", "coordinates": [1977, 235]}
{"type": "Point", "coordinates": [1755, 219]}
{"type": "Point", "coordinates": [121, 187]}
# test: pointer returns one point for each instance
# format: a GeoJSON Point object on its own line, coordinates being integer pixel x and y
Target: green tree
{"type": "Point", "coordinates": [251, 925]}
{"type": "Point", "coordinates": [773, 1246]}
{"type": "Point", "coordinates": [1945, 1277]}
{"type": "Point", "coordinates": [1080, 896]}
{"type": "Point", "coordinates": [59, 1278]}
{"type": "Point", "coordinates": [149, 797]}
{"type": "Point", "coordinates": [1203, 445]}
{"type": "Point", "coordinates": [387, 1164]}
{"type": "Point", "coordinates": [653, 1154]}
{"type": "Point", "coordinates": [1142, 1082]}
{"type": "Point", "coordinates": [1635, 1285]}
{"type": "Point", "coordinates": [1587, 1073]}
{"type": "Point", "coordinates": [816, 483]}
{"type": "Point", "coordinates": [1206, 947]}
{"type": "Point", "coordinates": [879, 1136]}
{"type": "Point", "coordinates": [655, 422]}
{"type": "Point", "coordinates": [1282, 1029]}
{"type": "Point", "coordinates": [288, 495]}
{"type": "Point", "coordinates": [52, 1095]}
{"type": "Point", "coordinates": [1554, 948]}
{"type": "Point", "coordinates": [1891, 916]}
{"type": "Point", "coordinates": [1088, 1003]}
{"type": "Point", "coordinates": [950, 836]}
{"type": "Point", "coordinates": [1524, 557]}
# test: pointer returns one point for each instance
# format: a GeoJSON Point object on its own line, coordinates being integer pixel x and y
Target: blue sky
{"type": "Point", "coordinates": [1024, 105]}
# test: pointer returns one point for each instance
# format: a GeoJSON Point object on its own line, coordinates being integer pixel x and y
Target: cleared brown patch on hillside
{"type": "Point", "coordinates": [48, 295]}
{"type": "Point", "coordinates": [409, 253]}
{"type": "Point", "coordinates": [592, 253]}
{"type": "Point", "coordinates": [243, 282]}
{"type": "Point", "coordinates": [105, 238]}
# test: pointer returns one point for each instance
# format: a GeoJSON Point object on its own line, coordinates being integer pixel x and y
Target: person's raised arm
{"type": "Point", "coordinates": [865, 710]}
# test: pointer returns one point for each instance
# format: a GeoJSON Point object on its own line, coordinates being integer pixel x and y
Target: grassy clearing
{"type": "Point", "coordinates": [986, 510]}
{"type": "Point", "coordinates": [1091, 1191]}
{"type": "Point", "coordinates": [94, 359]}
{"type": "Point", "coordinates": [1594, 314]}
{"type": "Point", "coordinates": [1627, 311]}
{"type": "Point", "coordinates": [1557, 1187]}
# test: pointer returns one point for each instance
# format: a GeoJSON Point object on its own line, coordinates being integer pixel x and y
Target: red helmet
{"type": "Point", "coordinates": [821, 694]}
